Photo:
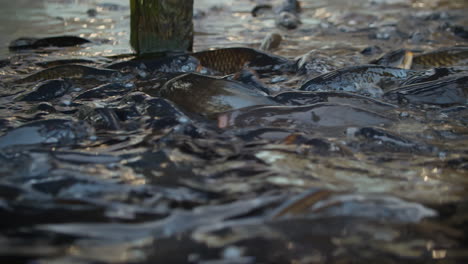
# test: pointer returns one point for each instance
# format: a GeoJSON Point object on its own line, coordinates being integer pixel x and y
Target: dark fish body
{"type": "Point", "coordinates": [232, 60]}
{"type": "Point", "coordinates": [271, 41]}
{"type": "Point", "coordinates": [47, 90]}
{"type": "Point", "coordinates": [52, 131]}
{"type": "Point", "coordinates": [434, 74]}
{"type": "Point", "coordinates": [35, 43]}
{"type": "Point", "coordinates": [207, 95]}
{"type": "Point", "coordinates": [100, 117]}
{"type": "Point", "coordinates": [251, 79]}
{"type": "Point", "coordinates": [180, 63]}
{"type": "Point", "coordinates": [103, 91]}
{"type": "Point", "coordinates": [287, 20]}
{"type": "Point", "coordinates": [309, 117]}
{"type": "Point", "coordinates": [54, 63]}
{"type": "Point", "coordinates": [260, 8]}
{"type": "Point", "coordinates": [376, 139]}
{"type": "Point", "coordinates": [291, 6]}
{"type": "Point", "coordinates": [160, 107]}
{"type": "Point", "coordinates": [460, 31]}
{"type": "Point", "coordinates": [267, 133]}
{"type": "Point", "coordinates": [453, 56]}
{"type": "Point", "coordinates": [306, 98]}
{"type": "Point", "coordinates": [444, 92]}
{"type": "Point", "coordinates": [323, 203]}
{"type": "Point", "coordinates": [68, 71]}
{"type": "Point", "coordinates": [401, 58]}
{"type": "Point", "coordinates": [300, 203]}
{"type": "Point", "coordinates": [4, 62]}
{"type": "Point", "coordinates": [357, 79]}
{"type": "Point", "coordinates": [164, 113]}
{"type": "Point", "coordinates": [45, 107]}
{"type": "Point", "coordinates": [371, 50]}
{"type": "Point", "coordinates": [287, 15]}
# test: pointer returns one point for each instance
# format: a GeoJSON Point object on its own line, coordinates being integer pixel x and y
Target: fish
{"type": "Point", "coordinates": [287, 15]}
{"type": "Point", "coordinates": [251, 79]}
{"type": "Point", "coordinates": [313, 64]}
{"type": "Point", "coordinates": [435, 74]}
{"type": "Point", "coordinates": [206, 95]}
{"type": "Point", "coordinates": [259, 9]}
{"type": "Point", "coordinates": [256, 133]}
{"type": "Point", "coordinates": [318, 203]}
{"type": "Point", "coordinates": [319, 116]}
{"type": "Point", "coordinates": [47, 90]}
{"type": "Point", "coordinates": [291, 6]}
{"type": "Point", "coordinates": [68, 71]}
{"type": "Point", "coordinates": [44, 107]}
{"type": "Point", "coordinates": [232, 60]}
{"type": "Point", "coordinates": [444, 92]}
{"type": "Point", "coordinates": [401, 58]}
{"type": "Point", "coordinates": [365, 79]}
{"type": "Point", "coordinates": [371, 50]}
{"type": "Point", "coordinates": [178, 63]}
{"type": "Point", "coordinates": [298, 98]}
{"type": "Point", "coordinates": [301, 203]}
{"type": "Point", "coordinates": [103, 91]}
{"type": "Point", "coordinates": [452, 56]}
{"type": "Point", "coordinates": [288, 20]}
{"type": "Point", "coordinates": [53, 63]}
{"type": "Point", "coordinates": [58, 41]}
{"type": "Point", "coordinates": [4, 62]}
{"type": "Point", "coordinates": [50, 132]}
{"type": "Point", "coordinates": [159, 108]}
{"type": "Point", "coordinates": [100, 117]}
{"type": "Point", "coordinates": [271, 41]}
{"type": "Point", "coordinates": [371, 139]}
{"type": "Point", "coordinates": [460, 31]}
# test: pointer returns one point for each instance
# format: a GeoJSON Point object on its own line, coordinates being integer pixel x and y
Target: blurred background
{"type": "Point", "coordinates": [220, 23]}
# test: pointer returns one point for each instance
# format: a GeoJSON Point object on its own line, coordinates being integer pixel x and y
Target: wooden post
{"type": "Point", "coordinates": [161, 26]}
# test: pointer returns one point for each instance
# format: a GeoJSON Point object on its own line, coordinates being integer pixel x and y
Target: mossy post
{"type": "Point", "coordinates": [160, 27]}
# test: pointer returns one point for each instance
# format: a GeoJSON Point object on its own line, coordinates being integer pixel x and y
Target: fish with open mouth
{"type": "Point", "coordinates": [401, 58]}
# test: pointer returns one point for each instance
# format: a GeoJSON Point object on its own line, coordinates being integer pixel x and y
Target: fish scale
{"type": "Point", "coordinates": [231, 60]}
{"type": "Point", "coordinates": [224, 60]}
{"type": "Point", "coordinates": [348, 78]}
{"type": "Point", "coordinates": [442, 57]}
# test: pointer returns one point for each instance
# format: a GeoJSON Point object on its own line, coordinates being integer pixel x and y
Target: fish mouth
{"type": "Point", "coordinates": [223, 121]}
{"type": "Point", "coordinates": [407, 60]}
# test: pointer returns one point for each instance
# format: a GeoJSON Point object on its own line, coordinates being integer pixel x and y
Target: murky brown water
{"type": "Point", "coordinates": [118, 175]}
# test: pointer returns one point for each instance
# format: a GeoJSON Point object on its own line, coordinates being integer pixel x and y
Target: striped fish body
{"type": "Point", "coordinates": [232, 60]}
{"type": "Point", "coordinates": [454, 56]}
{"type": "Point", "coordinates": [351, 79]}
{"type": "Point", "coordinates": [434, 74]}
{"type": "Point", "coordinates": [444, 92]}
